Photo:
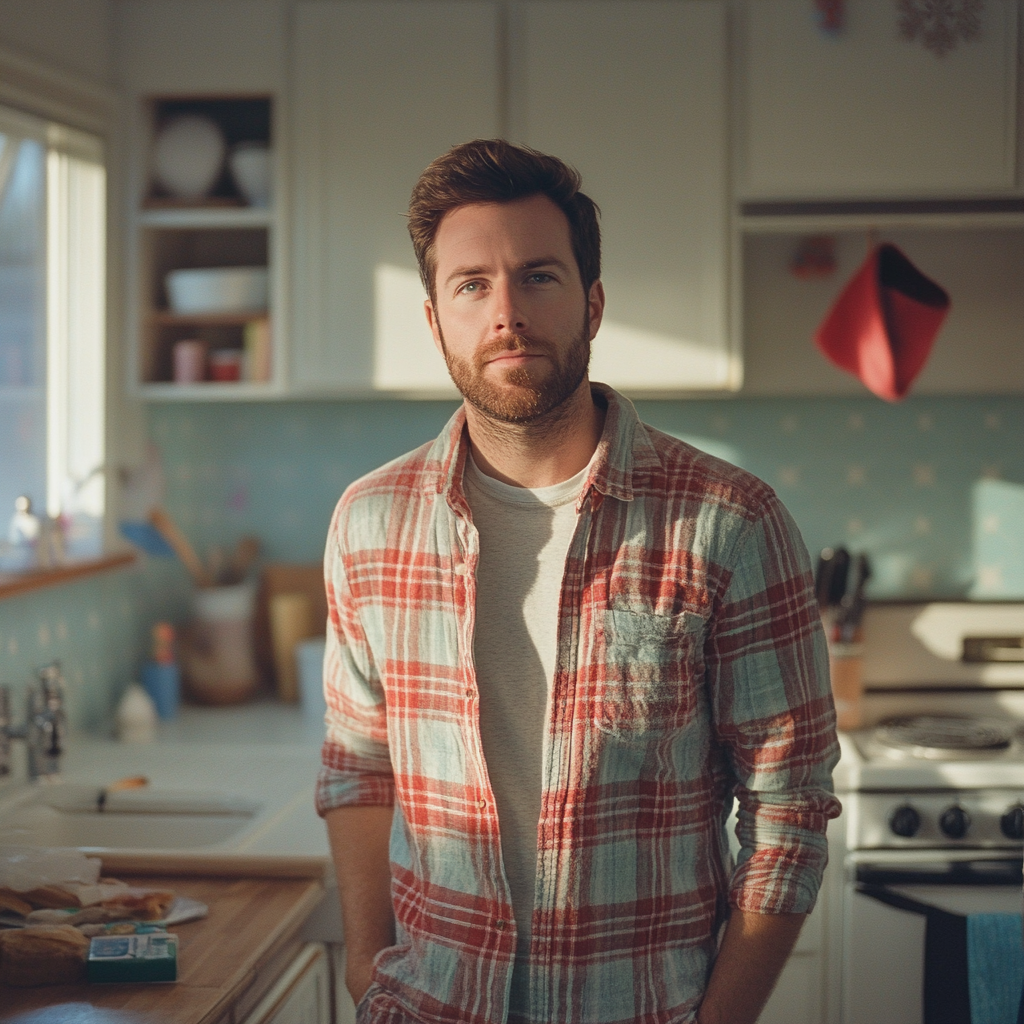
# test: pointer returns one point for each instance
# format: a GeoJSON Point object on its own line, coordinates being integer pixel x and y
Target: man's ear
{"type": "Point", "coordinates": [595, 303]}
{"type": "Point", "coordinates": [435, 329]}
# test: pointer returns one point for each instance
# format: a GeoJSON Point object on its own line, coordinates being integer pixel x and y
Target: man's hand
{"type": "Point", "coordinates": [754, 951]}
{"type": "Point", "coordinates": [359, 844]}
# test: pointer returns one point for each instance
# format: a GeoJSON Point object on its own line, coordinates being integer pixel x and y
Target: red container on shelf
{"type": "Point", "coordinates": [226, 364]}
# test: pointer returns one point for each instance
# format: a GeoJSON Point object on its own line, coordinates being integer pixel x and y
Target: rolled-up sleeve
{"type": "Point", "coordinates": [356, 763]}
{"type": "Point", "coordinates": [767, 668]}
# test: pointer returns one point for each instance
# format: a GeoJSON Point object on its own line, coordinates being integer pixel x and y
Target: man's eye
{"type": "Point", "coordinates": [540, 278]}
{"type": "Point", "coordinates": [470, 286]}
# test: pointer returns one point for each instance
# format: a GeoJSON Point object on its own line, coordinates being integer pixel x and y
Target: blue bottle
{"type": "Point", "coordinates": [161, 678]}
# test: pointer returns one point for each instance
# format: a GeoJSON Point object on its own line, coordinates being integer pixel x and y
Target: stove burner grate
{"type": "Point", "coordinates": [938, 735]}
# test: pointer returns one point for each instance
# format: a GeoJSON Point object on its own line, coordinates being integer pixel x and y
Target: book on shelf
{"type": "Point", "coordinates": [256, 336]}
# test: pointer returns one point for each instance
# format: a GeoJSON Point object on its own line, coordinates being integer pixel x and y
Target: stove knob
{"type": "Point", "coordinates": [955, 822]}
{"type": "Point", "coordinates": [905, 821]}
{"type": "Point", "coordinates": [1012, 823]}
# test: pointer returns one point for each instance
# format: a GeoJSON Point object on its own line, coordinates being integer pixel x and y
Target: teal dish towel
{"type": "Point", "coordinates": [995, 967]}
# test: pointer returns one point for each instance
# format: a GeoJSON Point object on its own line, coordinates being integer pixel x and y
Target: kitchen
{"type": "Point", "coordinates": [930, 487]}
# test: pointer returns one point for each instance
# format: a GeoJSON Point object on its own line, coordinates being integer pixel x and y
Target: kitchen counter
{"type": "Point", "coordinates": [225, 961]}
{"type": "Point", "coordinates": [264, 751]}
{"type": "Point", "coordinates": [270, 887]}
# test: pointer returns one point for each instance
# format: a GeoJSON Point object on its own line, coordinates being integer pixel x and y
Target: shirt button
{"type": "Point", "coordinates": [500, 925]}
{"type": "Point", "coordinates": [482, 804]}
{"type": "Point", "coordinates": [469, 692]}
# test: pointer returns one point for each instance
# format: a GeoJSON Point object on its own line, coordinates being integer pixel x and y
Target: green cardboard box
{"type": "Point", "coordinates": [152, 957]}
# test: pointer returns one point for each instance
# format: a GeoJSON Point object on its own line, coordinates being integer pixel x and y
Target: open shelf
{"type": "Point", "coordinates": [206, 217]}
{"type": "Point", "coordinates": [212, 391]}
{"type": "Point", "coordinates": [218, 230]}
{"type": "Point", "coordinates": [165, 318]}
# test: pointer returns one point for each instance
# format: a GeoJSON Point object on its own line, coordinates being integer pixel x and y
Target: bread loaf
{"type": "Point", "coordinates": [43, 955]}
{"type": "Point", "coordinates": [13, 901]}
{"type": "Point", "coordinates": [52, 896]}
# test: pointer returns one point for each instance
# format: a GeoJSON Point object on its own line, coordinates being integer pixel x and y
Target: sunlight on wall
{"type": "Point", "coordinates": [998, 507]}
{"type": "Point", "coordinates": [623, 357]}
{"type": "Point", "coordinates": [404, 355]}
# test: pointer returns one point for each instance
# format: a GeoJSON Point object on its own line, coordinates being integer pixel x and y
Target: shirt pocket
{"type": "Point", "coordinates": [647, 676]}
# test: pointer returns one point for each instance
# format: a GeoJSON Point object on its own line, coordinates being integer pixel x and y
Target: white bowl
{"type": "Point", "coordinates": [188, 156]}
{"type": "Point", "coordinates": [250, 167]}
{"type": "Point", "coordinates": [218, 290]}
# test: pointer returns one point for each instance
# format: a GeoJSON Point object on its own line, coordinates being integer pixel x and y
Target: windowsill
{"type": "Point", "coordinates": [15, 583]}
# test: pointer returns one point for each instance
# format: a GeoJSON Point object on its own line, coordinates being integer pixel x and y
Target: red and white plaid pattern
{"type": "Point", "coordinates": [691, 667]}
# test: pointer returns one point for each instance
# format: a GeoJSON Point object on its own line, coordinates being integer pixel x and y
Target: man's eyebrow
{"type": "Point", "coordinates": [545, 261]}
{"type": "Point", "coordinates": [463, 272]}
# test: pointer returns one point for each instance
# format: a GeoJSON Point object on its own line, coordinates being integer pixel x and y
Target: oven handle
{"type": "Point", "coordinates": [872, 877]}
{"type": "Point", "coordinates": [894, 899]}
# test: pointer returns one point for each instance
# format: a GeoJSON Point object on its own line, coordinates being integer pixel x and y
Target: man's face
{"type": "Point", "coordinates": [510, 315]}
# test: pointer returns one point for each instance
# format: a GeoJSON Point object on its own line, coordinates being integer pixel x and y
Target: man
{"type": "Point", "coordinates": [559, 643]}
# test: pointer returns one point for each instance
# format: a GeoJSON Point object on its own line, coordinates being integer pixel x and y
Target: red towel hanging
{"type": "Point", "coordinates": [883, 325]}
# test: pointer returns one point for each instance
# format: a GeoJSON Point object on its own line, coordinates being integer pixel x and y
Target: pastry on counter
{"type": "Point", "coordinates": [43, 955]}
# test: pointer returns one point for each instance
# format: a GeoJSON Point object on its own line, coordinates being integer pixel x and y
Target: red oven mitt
{"type": "Point", "coordinates": [882, 326]}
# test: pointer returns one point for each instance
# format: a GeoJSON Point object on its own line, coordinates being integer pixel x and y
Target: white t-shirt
{"type": "Point", "coordinates": [524, 538]}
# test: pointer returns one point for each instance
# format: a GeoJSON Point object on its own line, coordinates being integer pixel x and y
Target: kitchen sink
{"type": "Point", "coordinates": [145, 819]}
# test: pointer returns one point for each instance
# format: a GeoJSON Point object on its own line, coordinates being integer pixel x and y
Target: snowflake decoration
{"type": "Point", "coordinates": [939, 24]}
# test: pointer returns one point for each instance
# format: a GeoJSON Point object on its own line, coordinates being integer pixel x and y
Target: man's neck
{"type": "Point", "coordinates": [544, 452]}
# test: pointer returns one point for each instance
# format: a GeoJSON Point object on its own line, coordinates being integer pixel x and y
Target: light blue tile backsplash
{"type": "Point", "coordinates": [926, 487]}
{"type": "Point", "coordinates": [97, 628]}
{"type": "Point", "coordinates": [932, 489]}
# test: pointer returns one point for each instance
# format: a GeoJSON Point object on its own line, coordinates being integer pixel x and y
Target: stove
{"type": "Point", "coordinates": [933, 797]}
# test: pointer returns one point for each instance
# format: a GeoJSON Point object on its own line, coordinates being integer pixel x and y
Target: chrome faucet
{"type": "Point", "coordinates": [45, 726]}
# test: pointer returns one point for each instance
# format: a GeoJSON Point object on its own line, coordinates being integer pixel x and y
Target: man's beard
{"type": "Point", "coordinates": [517, 398]}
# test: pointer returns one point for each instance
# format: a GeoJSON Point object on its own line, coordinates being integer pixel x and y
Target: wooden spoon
{"type": "Point", "coordinates": [168, 529]}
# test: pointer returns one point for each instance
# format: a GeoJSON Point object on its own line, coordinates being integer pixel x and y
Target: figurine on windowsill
{"type": "Point", "coordinates": [22, 536]}
{"type": "Point", "coordinates": [32, 542]}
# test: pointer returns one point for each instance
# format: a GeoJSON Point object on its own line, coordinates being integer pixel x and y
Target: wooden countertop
{"type": "Point", "coordinates": [225, 961]}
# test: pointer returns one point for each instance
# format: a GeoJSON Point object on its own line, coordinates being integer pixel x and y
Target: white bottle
{"type": "Point", "coordinates": [136, 716]}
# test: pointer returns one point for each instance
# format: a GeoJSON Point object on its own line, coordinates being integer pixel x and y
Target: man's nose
{"type": "Point", "coordinates": [508, 313]}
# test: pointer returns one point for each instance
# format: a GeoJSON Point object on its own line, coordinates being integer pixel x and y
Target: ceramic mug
{"type": "Point", "coordinates": [189, 361]}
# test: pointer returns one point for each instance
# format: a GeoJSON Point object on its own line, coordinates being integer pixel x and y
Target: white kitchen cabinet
{"type": "Point", "coordinates": [634, 94]}
{"type": "Point", "coordinates": [302, 995]}
{"type": "Point", "coordinates": [631, 91]}
{"type": "Point", "coordinates": [978, 260]}
{"type": "Point", "coordinates": [379, 90]}
{"type": "Point", "coordinates": [869, 114]}
{"type": "Point", "coordinates": [225, 61]}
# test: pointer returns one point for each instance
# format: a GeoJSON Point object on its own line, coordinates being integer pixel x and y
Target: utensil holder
{"type": "Point", "coordinates": [217, 646]}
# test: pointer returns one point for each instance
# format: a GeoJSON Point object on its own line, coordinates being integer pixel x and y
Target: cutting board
{"type": "Point", "coordinates": [287, 578]}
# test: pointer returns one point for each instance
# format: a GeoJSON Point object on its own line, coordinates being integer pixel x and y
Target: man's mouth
{"type": "Point", "coordinates": [519, 353]}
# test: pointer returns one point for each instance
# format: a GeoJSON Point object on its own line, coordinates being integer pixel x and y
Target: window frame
{"type": "Point", "coordinates": [70, 105]}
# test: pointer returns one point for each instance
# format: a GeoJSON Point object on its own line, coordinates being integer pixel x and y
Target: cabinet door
{"type": "Point", "coordinates": [797, 998]}
{"type": "Point", "coordinates": [380, 89]}
{"type": "Point", "coordinates": [302, 995]}
{"type": "Point", "coordinates": [867, 113]}
{"type": "Point", "coordinates": [634, 94]}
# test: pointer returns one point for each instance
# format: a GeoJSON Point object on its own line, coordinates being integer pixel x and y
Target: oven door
{"type": "Point", "coordinates": [884, 972]}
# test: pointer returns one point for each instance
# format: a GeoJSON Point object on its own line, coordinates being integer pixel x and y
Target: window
{"type": "Point", "coordinates": [52, 329]}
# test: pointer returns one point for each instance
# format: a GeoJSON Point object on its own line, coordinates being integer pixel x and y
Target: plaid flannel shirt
{"type": "Point", "coordinates": [691, 666]}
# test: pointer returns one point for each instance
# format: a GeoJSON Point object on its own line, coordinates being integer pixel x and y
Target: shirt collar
{"type": "Point", "coordinates": [625, 453]}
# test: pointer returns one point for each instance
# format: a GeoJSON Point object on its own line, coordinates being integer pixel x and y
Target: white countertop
{"type": "Point", "coordinates": [264, 751]}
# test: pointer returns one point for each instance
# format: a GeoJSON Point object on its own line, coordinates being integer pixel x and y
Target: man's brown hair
{"type": "Point", "coordinates": [495, 171]}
